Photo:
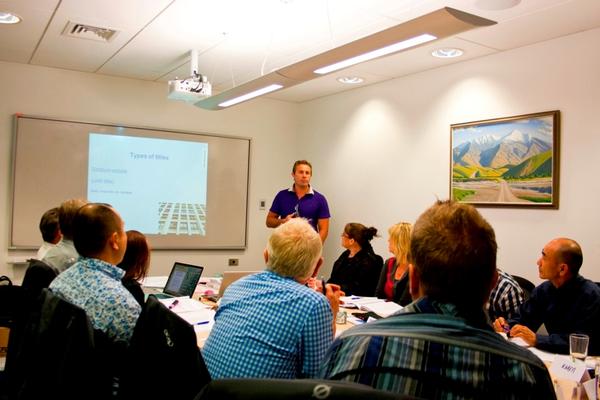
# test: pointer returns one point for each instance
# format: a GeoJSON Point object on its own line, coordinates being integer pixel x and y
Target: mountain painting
{"type": "Point", "coordinates": [507, 161]}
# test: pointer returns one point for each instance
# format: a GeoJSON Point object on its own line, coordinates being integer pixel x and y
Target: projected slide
{"type": "Point", "coordinates": [157, 185]}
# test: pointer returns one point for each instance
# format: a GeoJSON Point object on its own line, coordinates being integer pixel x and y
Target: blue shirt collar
{"type": "Point", "coordinates": [108, 269]}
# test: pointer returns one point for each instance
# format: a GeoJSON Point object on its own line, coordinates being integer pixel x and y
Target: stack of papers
{"type": "Point", "coordinates": [378, 306]}
{"type": "Point", "coordinates": [201, 316]}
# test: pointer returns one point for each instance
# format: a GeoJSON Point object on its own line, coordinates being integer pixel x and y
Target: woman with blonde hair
{"type": "Point", "coordinates": [393, 281]}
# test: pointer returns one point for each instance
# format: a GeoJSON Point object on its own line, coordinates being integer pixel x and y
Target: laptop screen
{"type": "Point", "coordinates": [183, 279]}
{"type": "Point", "coordinates": [231, 276]}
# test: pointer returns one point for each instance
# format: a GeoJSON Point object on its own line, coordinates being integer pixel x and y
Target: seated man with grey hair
{"type": "Point", "coordinates": [270, 325]}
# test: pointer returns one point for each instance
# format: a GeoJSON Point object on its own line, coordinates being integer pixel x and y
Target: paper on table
{"type": "Point", "coordinates": [518, 341]}
{"type": "Point", "coordinates": [202, 320]}
{"type": "Point", "coordinates": [155, 281]}
{"type": "Point", "coordinates": [184, 304]}
{"type": "Point", "coordinates": [357, 301]}
{"type": "Point", "coordinates": [382, 308]}
{"type": "Point", "coordinates": [543, 355]}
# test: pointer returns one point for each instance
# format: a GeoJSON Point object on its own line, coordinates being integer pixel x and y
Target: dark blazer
{"type": "Point", "coordinates": [357, 275]}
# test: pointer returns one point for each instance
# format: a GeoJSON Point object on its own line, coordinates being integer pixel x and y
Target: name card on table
{"type": "Point", "coordinates": [564, 367]}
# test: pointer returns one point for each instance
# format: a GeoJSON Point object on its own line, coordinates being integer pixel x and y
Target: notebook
{"type": "Point", "coordinates": [182, 281]}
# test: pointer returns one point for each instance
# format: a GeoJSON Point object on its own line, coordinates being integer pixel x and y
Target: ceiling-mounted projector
{"type": "Point", "coordinates": [190, 90]}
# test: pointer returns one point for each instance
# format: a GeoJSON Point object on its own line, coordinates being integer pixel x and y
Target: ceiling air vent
{"type": "Point", "coordinates": [83, 31]}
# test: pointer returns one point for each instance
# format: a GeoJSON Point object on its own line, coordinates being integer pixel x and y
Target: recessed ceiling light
{"type": "Point", "coordinates": [9, 18]}
{"type": "Point", "coordinates": [496, 4]}
{"type": "Point", "coordinates": [447, 53]}
{"type": "Point", "coordinates": [350, 80]}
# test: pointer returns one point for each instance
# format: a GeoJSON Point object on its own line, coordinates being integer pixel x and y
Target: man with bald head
{"type": "Point", "coordinates": [94, 281]}
{"type": "Point", "coordinates": [566, 303]}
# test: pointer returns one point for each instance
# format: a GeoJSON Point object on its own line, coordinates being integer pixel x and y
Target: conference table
{"type": "Point", "coordinates": [199, 312]}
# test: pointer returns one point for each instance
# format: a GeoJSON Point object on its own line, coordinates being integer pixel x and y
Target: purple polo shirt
{"type": "Point", "coordinates": [312, 206]}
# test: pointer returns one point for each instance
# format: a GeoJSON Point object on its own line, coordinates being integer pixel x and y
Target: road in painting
{"type": "Point", "coordinates": [503, 162]}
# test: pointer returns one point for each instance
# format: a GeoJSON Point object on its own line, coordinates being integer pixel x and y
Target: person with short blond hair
{"type": "Point", "coordinates": [270, 324]}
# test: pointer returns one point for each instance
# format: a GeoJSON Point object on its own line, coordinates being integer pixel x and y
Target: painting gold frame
{"type": "Point", "coordinates": [507, 162]}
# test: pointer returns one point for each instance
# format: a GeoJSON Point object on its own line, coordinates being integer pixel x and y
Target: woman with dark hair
{"type": "Point", "coordinates": [393, 281]}
{"type": "Point", "coordinates": [135, 263]}
{"type": "Point", "coordinates": [357, 269]}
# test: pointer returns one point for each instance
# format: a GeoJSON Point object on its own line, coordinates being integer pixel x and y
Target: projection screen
{"type": "Point", "coordinates": [183, 190]}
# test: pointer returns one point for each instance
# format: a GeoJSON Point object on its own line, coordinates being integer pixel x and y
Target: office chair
{"type": "Point", "coordinates": [56, 356]}
{"type": "Point", "coordinates": [289, 389]}
{"type": "Point", "coordinates": [526, 285]}
{"type": "Point", "coordinates": [11, 310]}
{"type": "Point", "coordinates": [38, 276]}
{"type": "Point", "coordinates": [163, 359]}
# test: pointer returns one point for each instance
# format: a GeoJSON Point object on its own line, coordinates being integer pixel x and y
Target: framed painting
{"type": "Point", "coordinates": [508, 162]}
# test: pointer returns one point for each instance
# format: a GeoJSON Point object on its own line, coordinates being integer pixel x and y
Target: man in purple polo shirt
{"type": "Point", "coordinates": [301, 200]}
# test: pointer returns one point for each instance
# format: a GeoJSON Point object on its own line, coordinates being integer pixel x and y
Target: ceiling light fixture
{"type": "Point", "coordinates": [438, 24]}
{"type": "Point", "coordinates": [384, 51]}
{"type": "Point", "coordinates": [251, 95]}
{"type": "Point", "coordinates": [350, 80]}
{"type": "Point", "coordinates": [447, 52]}
{"type": "Point", "coordinates": [9, 18]}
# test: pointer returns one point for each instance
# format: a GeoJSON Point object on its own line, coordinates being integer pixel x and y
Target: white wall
{"type": "Point", "coordinates": [381, 154]}
{"type": "Point", "coordinates": [384, 151]}
{"type": "Point", "coordinates": [272, 125]}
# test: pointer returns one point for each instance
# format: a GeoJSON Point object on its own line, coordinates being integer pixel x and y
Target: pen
{"type": "Point", "coordinates": [173, 304]}
{"type": "Point", "coordinates": [202, 323]}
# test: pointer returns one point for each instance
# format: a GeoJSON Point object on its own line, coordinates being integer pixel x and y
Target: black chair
{"type": "Point", "coordinates": [38, 276]}
{"type": "Point", "coordinates": [526, 285]}
{"type": "Point", "coordinates": [163, 360]}
{"type": "Point", "coordinates": [265, 389]}
{"type": "Point", "coordinates": [12, 304]}
{"type": "Point", "coordinates": [56, 356]}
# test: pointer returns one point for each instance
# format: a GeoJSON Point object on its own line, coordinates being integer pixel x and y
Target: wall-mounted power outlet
{"type": "Point", "coordinates": [262, 204]}
{"type": "Point", "coordinates": [234, 262]}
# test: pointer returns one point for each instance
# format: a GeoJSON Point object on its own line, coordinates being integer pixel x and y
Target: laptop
{"type": "Point", "coordinates": [182, 281]}
{"type": "Point", "coordinates": [228, 278]}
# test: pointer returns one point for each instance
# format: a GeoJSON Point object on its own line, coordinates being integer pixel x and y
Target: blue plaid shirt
{"type": "Point", "coordinates": [269, 326]}
{"type": "Point", "coordinates": [95, 286]}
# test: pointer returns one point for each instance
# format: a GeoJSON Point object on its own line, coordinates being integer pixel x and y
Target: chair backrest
{"type": "Point", "coordinates": [12, 305]}
{"type": "Point", "coordinates": [56, 355]}
{"type": "Point", "coordinates": [265, 389]}
{"type": "Point", "coordinates": [163, 350]}
{"type": "Point", "coordinates": [38, 276]}
{"type": "Point", "coordinates": [526, 285]}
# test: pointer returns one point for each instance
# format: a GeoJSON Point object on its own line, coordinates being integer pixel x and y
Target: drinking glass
{"type": "Point", "coordinates": [578, 345]}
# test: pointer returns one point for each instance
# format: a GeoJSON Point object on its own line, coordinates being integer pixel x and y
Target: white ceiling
{"type": "Point", "coordinates": [240, 40]}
